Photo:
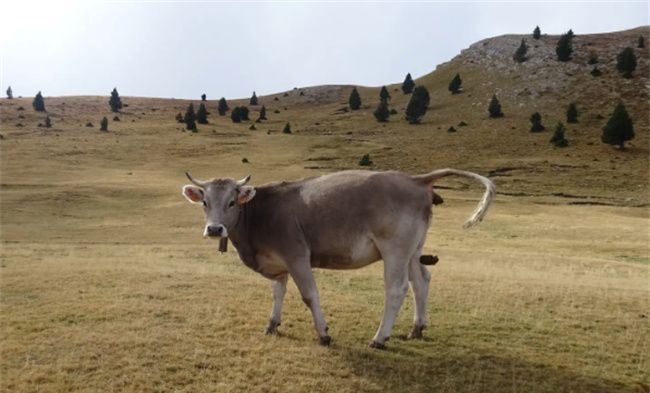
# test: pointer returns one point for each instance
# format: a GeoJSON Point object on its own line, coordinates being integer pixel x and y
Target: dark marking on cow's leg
{"type": "Point", "coordinates": [429, 260]}
{"type": "Point", "coordinates": [416, 333]}
{"type": "Point", "coordinates": [272, 327]}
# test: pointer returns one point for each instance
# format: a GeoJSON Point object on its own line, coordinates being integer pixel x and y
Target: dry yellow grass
{"type": "Point", "coordinates": [107, 285]}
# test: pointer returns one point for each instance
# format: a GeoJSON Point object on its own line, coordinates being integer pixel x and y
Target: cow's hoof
{"type": "Point", "coordinates": [416, 332]}
{"type": "Point", "coordinates": [325, 341]}
{"type": "Point", "coordinates": [272, 328]}
{"type": "Point", "coordinates": [377, 345]}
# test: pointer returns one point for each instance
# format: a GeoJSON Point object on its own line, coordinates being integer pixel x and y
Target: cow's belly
{"type": "Point", "coordinates": [270, 265]}
{"type": "Point", "coordinates": [351, 255]}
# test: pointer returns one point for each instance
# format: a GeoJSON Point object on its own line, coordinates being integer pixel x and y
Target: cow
{"type": "Point", "coordinates": [342, 220]}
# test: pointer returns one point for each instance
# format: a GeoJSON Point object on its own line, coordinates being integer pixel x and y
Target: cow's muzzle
{"type": "Point", "coordinates": [215, 231]}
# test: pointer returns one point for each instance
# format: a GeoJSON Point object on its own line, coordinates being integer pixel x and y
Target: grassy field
{"type": "Point", "coordinates": [107, 284]}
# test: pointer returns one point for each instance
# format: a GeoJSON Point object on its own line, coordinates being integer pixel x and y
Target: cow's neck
{"type": "Point", "coordinates": [240, 239]}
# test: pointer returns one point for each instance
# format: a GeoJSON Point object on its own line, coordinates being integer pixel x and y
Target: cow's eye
{"type": "Point", "coordinates": [231, 204]}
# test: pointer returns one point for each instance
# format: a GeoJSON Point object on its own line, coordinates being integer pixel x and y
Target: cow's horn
{"type": "Point", "coordinates": [199, 183]}
{"type": "Point", "coordinates": [243, 181]}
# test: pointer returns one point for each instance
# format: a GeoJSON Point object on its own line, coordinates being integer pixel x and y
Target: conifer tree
{"type": "Point", "coordinates": [48, 121]}
{"type": "Point", "coordinates": [495, 107]}
{"type": "Point", "coordinates": [243, 112]}
{"type": "Point", "coordinates": [564, 47]}
{"type": "Point", "coordinates": [103, 125]}
{"type": "Point", "coordinates": [222, 107]}
{"type": "Point", "coordinates": [10, 94]}
{"type": "Point", "coordinates": [572, 113]}
{"type": "Point", "coordinates": [408, 84]}
{"type": "Point", "coordinates": [235, 115]}
{"type": "Point", "coordinates": [263, 113]}
{"type": "Point", "coordinates": [640, 42]}
{"type": "Point", "coordinates": [355, 100]}
{"type": "Point", "coordinates": [179, 118]}
{"type": "Point", "coordinates": [39, 103]}
{"type": "Point", "coordinates": [418, 105]}
{"type": "Point", "coordinates": [287, 129]}
{"type": "Point", "coordinates": [570, 34]}
{"type": "Point", "coordinates": [454, 85]}
{"type": "Point", "coordinates": [382, 113]}
{"type": "Point", "coordinates": [537, 33]}
{"type": "Point", "coordinates": [384, 94]}
{"type": "Point", "coordinates": [626, 62]}
{"type": "Point", "coordinates": [253, 100]}
{"type": "Point", "coordinates": [520, 53]}
{"type": "Point", "coordinates": [536, 121]}
{"type": "Point", "coordinates": [558, 138]}
{"type": "Point", "coordinates": [115, 101]}
{"type": "Point", "coordinates": [203, 97]}
{"type": "Point", "coordinates": [190, 118]}
{"type": "Point", "coordinates": [202, 114]}
{"type": "Point", "coordinates": [619, 128]}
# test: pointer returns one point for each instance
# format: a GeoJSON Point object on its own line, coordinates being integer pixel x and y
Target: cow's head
{"type": "Point", "coordinates": [221, 199]}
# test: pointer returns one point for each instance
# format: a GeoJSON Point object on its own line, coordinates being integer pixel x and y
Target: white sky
{"type": "Point", "coordinates": [182, 49]}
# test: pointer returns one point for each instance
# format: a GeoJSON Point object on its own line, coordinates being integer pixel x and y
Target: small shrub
{"type": "Point", "coordinates": [593, 58]}
{"type": "Point", "coordinates": [558, 139]}
{"type": "Point", "coordinates": [48, 121]}
{"type": "Point", "coordinates": [89, 124]}
{"type": "Point", "coordinates": [276, 111]}
{"type": "Point", "coordinates": [252, 127]}
{"type": "Point", "coordinates": [596, 72]}
{"type": "Point", "coordinates": [462, 124]}
{"type": "Point", "coordinates": [287, 129]}
{"type": "Point", "coordinates": [244, 160]}
{"type": "Point", "coordinates": [393, 111]}
{"type": "Point", "coordinates": [285, 95]}
{"type": "Point", "coordinates": [451, 129]}
{"type": "Point", "coordinates": [365, 160]}
{"type": "Point", "coordinates": [117, 118]}
{"type": "Point", "coordinates": [103, 125]}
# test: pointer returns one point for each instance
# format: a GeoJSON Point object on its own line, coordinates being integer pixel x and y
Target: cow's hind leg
{"type": "Point", "coordinates": [419, 278]}
{"type": "Point", "coordinates": [279, 289]}
{"type": "Point", "coordinates": [396, 286]}
{"type": "Point", "coordinates": [304, 279]}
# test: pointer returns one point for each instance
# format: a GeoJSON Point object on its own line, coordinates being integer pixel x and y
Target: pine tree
{"type": "Point", "coordinates": [203, 97]}
{"type": "Point", "coordinates": [243, 112]}
{"type": "Point", "coordinates": [190, 118]}
{"type": "Point", "coordinates": [384, 94]}
{"type": "Point", "coordinates": [39, 103]}
{"type": "Point", "coordinates": [48, 122]}
{"type": "Point", "coordinates": [520, 54]}
{"type": "Point", "coordinates": [626, 62]}
{"type": "Point", "coordinates": [537, 33]}
{"type": "Point", "coordinates": [536, 120]}
{"type": "Point", "coordinates": [570, 34]}
{"type": "Point", "coordinates": [223, 107]}
{"type": "Point", "coordinates": [179, 118]}
{"type": "Point", "coordinates": [495, 107]}
{"type": "Point", "coordinates": [640, 42]}
{"type": "Point", "coordinates": [253, 100]}
{"type": "Point", "coordinates": [454, 85]}
{"type": "Point", "coordinates": [355, 100]}
{"type": "Point", "coordinates": [10, 94]}
{"type": "Point", "coordinates": [558, 138]}
{"type": "Point", "coordinates": [564, 48]}
{"type": "Point", "coordinates": [115, 101]}
{"type": "Point", "coordinates": [382, 113]}
{"type": "Point", "coordinates": [287, 129]}
{"type": "Point", "coordinates": [202, 114]}
{"type": "Point", "coordinates": [408, 84]}
{"type": "Point", "coordinates": [418, 105]}
{"type": "Point", "coordinates": [235, 115]}
{"type": "Point", "coordinates": [572, 113]}
{"type": "Point", "coordinates": [365, 160]}
{"type": "Point", "coordinates": [263, 113]}
{"type": "Point", "coordinates": [103, 125]}
{"type": "Point", "coordinates": [619, 128]}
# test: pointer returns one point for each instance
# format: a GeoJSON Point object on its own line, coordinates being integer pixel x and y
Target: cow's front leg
{"type": "Point", "coordinates": [279, 289]}
{"type": "Point", "coordinates": [304, 280]}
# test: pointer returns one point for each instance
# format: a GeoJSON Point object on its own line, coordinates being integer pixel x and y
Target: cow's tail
{"type": "Point", "coordinates": [484, 204]}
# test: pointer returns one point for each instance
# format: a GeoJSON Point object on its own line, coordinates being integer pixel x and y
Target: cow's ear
{"type": "Point", "coordinates": [193, 194]}
{"type": "Point", "coordinates": [246, 193]}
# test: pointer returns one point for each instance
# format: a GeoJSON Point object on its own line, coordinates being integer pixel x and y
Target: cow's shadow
{"type": "Point", "coordinates": [464, 370]}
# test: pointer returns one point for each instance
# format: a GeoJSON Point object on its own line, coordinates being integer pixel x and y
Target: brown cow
{"type": "Point", "coordinates": [344, 220]}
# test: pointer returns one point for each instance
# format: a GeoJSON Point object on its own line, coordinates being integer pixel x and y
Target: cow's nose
{"type": "Point", "coordinates": [215, 230]}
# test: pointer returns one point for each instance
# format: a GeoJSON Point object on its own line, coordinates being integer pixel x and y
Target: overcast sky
{"type": "Point", "coordinates": [182, 49]}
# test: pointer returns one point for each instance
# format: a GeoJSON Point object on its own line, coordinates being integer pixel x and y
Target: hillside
{"type": "Point", "coordinates": [107, 283]}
